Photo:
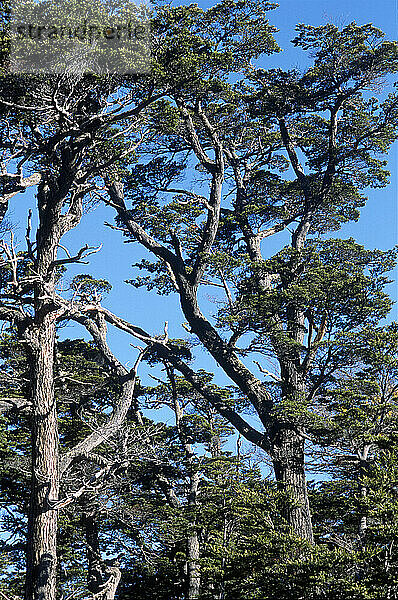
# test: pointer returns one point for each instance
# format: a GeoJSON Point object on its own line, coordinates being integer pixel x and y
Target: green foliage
{"type": "Point", "coordinates": [334, 277]}
{"type": "Point", "coordinates": [89, 289]}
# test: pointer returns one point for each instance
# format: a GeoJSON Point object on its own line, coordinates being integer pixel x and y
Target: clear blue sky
{"type": "Point", "coordinates": [376, 228]}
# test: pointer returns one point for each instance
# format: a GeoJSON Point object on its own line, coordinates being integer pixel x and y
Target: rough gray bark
{"type": "Point", "coordinates": [214, 153]}
{"type": "Point", "coordinates": [193, 548]}
{"type": "Point", "coordinates": [288, 461]}
{"type": "Point", "coordinates": [363, 455]}
{"type": "Point", "coordinates": [39, 335]}
{"type": "Point", "coordinates": [42, 520]}
{"type": "Point", "coordinates": [109, 588]}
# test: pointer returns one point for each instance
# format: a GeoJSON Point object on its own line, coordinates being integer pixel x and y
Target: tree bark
{"type": "Point", "coordinates": [363, 455]}
{"type": "Point", "coordinates": [287, 444]}
{"type": "Point", "coordinates": [41, 567]}
{"type": "Point", "coordinates": [39, 334]}
{"type": "Point", "coordinates": [193, 566]}
{"type": "Point", "coordinates": [289, 467]}
{"type": "Point", "coordinates": [94, 571]}
{"type": "Point", "coordinates": [193, 545]}
{"type": "Point", "coordinates": [102, 579]}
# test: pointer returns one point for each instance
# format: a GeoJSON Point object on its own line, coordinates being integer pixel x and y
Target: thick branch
{"type": "Point", "coordinates": [193, 139]}
{"type": "Point", "coordinates": [116, 196]}
{"type": "Point", "coordinates": [294, 161]}
{"type": "Point", "coordinates": [127, 378]}
{"type": "Point", "coordinates": [166, 353]}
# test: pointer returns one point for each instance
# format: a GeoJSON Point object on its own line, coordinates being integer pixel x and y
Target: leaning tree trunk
{"type": "Point", "coordinates": [289, 467]}
{"type": "Point", "coordinates": [42, 521]}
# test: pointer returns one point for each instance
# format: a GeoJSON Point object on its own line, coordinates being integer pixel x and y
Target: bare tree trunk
{"type": "Point", "coordinates": [68, 166]}
{"type": "Point", "coordinates": [110, 586]}
{"type": "Point", "coordinates": [289, 467]}
{"type": "Point", "coordinates": [42, 521]}
{"type": "Point", "coordinates": [39, 336]}
{"type": "Point", "coordinates": [193, 566]}
{"type": "Point", "coordinates": [102, 579]}
{"type": "Point", "coordinates": [193, 545]}
{"type": "Point", "coordinates": [287, 444]}
{"type": "Point", "coordinates": [363, 521]}
{"type": "Point", "coordinates": [363, 491]}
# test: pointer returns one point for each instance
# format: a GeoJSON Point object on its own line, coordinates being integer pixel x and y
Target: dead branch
{"type": "Point", "coordinates": [83, 253]}
{"type": "Point", "coordinates": [265, 372]}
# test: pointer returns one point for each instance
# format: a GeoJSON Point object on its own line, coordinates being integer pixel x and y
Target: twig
{"type": "Point", "coordinates": [5, 597]}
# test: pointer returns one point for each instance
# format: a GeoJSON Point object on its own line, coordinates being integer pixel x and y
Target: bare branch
{"type": "Point", "coordinates": [268, 373]}
{"type": "Point", "coordinates": [83, 253]}
{"type": "Point", "coordinates": [193, 138]}
{"type": "Point", "coordinates": [127, 379]}
{"type": "Point", "coordinates": [166, 353]}
{"type": "Point", "coordinates": [17, 403]}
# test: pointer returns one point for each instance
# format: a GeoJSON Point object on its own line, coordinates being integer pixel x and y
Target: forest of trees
{"type": "Point", "coordinates": [147, 477]}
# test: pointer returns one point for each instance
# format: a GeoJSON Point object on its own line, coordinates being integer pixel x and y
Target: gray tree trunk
{"type": "Point", "coordinates": [41, 565]}
{"type": "Point", "coordinates": [193, 566]}
{"type": "Point", "coordinates": [288, 462]}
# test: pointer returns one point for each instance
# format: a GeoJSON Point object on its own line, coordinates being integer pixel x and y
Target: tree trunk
{"type": "Point", "coordinates": [289, 467]}
{"type": "Point", "coordinates": [94, 571]}
{"type": "Point", "coordinates": [287, 445]}
{"type": "Point", "coordinates": [363, 521]}
{"type": "Point", "coordinates": [41, 566]}
{"type": "Point", "coordinates": [102, 579]}
{"type": "Point", "coordinates": [363, 455]}
{"type": "Point", "coordinates": [193, 544]}
{"type": "Point", "coordinates": [193, 566]}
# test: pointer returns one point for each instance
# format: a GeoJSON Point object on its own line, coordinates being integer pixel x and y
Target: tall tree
{"type": "Point", "coordinates": [274, 152]}
{"type": "Point", "coordinates": [60, 131]}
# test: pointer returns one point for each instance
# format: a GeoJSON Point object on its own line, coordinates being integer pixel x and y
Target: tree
{"type": "Point", "coordinates": [195, 422]}
{"type": "Point", "coordinates": [360, 415]}
{"type": "Point", "coordinates": [291, 150]}
{"type": "Point", "coordinates": [212, 508]}
{"type": "Point", "coordinates": [85, 389]}
{"type": "Point", "coordinates": [69, 131]}
{"type": "Point", "coordinates": [64, 152]}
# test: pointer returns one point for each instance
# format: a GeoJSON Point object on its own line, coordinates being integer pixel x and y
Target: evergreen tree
{"type": "Point", "coordinates": [229, 157]}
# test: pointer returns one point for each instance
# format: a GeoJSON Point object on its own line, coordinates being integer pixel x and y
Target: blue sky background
{"type": "Point", "coordinates": [377, 227]}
